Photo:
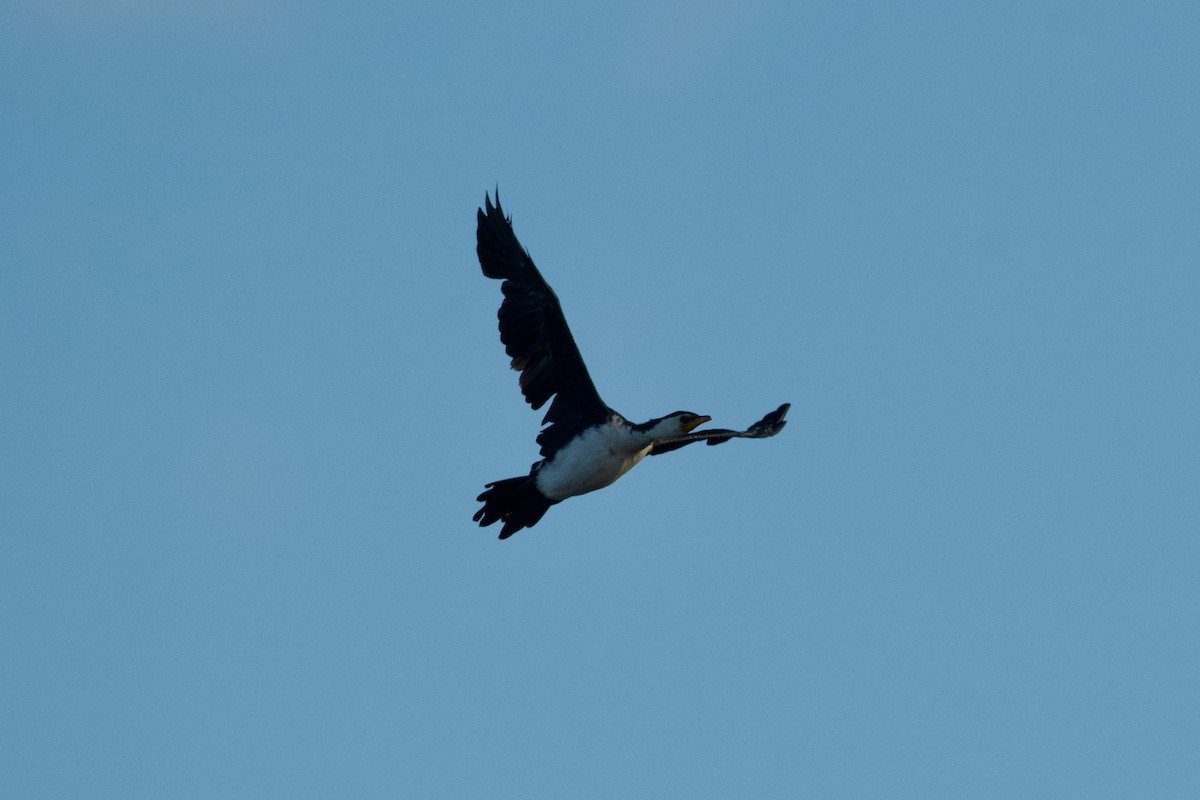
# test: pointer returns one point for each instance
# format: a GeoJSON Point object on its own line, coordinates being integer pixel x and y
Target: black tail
{"type": "Point", "coordinates": [517, 501]}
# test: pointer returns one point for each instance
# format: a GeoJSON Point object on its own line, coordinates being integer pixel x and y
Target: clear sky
{"type": "Point", "coordinates": [250, 385]}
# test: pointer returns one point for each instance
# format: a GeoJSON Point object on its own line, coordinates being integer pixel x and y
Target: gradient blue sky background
{"type": "Point", "coordinates": [251, 385]}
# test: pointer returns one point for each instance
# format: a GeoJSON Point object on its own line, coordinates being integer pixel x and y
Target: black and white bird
{"type": "Point", "coordinates": [586, 445]}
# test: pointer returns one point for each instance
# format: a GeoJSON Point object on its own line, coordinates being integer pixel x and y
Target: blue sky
{"type": "Point", "coordinates": [252, 385]}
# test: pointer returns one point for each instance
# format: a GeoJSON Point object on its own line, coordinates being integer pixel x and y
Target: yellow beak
{"type": "Point", "coordinates": [688, 427]}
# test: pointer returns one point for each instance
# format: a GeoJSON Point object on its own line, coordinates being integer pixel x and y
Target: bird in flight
{"type": "Point", "coordinates": [586, 445]}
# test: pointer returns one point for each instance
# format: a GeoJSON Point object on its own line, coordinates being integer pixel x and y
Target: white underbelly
{"type": "Point", "coordinates": [588, 463]}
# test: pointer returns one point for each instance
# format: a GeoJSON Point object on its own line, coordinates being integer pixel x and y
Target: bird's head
{"type": "Point", "coordinates": [676, 424]}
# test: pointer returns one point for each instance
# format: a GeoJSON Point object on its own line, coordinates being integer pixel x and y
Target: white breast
{"type": "Point", "coordinates": [592, 461]}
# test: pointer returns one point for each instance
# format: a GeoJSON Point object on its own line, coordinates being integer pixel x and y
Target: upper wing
{"type": "Point", "coordinates": [535, 334]}
{"type": "Point", "coordinates": [769, 425]}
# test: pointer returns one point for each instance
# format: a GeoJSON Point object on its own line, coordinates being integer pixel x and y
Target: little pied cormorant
{"type": "Point", "coordinates": [586, 445]}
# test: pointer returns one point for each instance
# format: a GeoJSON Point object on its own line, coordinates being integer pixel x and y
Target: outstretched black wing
{"type": "Point", "coordinates": [769, 425]}
{"type": "Point", "coordinates": [535, 334]}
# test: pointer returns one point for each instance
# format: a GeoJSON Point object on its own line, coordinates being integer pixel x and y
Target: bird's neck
{"type": "Point", "coordinates": [655, 429]}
